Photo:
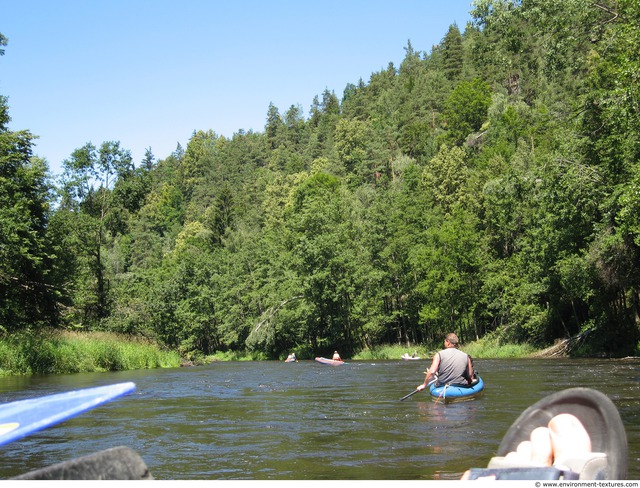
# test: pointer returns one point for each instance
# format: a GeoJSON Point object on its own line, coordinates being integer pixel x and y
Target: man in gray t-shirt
{"type": "Point", "coordinates": [451, 365]}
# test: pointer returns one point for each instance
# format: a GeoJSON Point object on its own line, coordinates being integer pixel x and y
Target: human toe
{"type": "Point", "coordinates": [568, 437]}
{"type": "Point", "coordinates": [541, 449]}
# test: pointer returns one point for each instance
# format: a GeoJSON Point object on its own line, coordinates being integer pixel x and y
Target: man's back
{"type": "Point", "coordinates": [453, 368]}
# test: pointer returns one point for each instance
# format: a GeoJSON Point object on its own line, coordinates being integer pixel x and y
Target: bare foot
{"type": "Point", "coordinates": [565, 436]}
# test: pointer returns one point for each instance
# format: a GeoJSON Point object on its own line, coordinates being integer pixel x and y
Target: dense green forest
{"type": "Point", "coordinates": [490, 186]}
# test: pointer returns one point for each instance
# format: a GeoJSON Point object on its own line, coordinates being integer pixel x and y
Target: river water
{"type": "Point", "coordinates": [270, 420]}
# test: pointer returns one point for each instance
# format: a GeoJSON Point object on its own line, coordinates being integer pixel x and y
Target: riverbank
{"type": "Point", "coordinates": [483, 349]}
{"type": "Point", "coordinates": [63, 352]}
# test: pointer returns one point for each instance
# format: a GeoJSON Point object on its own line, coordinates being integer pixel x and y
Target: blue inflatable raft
{"type": "Point", "coordinates": [457, 393]}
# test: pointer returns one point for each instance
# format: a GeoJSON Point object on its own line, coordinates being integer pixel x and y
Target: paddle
{"type": "Point", "coordinates": [21, 418]}
{"type": "Point", "coordinates": [412, 393]}
{"type": "Point", "coordinates": [416, 391]}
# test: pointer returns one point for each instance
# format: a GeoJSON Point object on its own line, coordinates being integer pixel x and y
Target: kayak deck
{"type": "Point", "coordinates": [329, 361]}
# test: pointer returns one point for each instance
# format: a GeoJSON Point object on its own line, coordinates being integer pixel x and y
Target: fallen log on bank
{"type": "Point", "coordinates": [563, 347]}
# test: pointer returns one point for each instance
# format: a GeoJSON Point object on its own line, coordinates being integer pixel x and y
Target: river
{"type": "Point", "coordinates": [271, 420]}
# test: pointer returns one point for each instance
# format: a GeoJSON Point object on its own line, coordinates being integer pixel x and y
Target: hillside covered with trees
{"type": "Point", "coordinates": [489, 186]}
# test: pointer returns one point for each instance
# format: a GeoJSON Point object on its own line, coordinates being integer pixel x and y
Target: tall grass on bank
{"type": "Point", "coordinates": [61, 352]}
{"type": "Point", "coordinates": [393, 351]}
{"type": "Point", "coordinates": [234, 356]}
{"type": "Point", "coordinates": [491, 348]}
{"type": "Point", "coordinates": [485, 349]}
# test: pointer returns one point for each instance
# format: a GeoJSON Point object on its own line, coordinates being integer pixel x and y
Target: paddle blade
{"type": "Point", "coordinates": [21, 418]}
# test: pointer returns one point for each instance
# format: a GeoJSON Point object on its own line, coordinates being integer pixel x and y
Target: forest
{"type": "Point", "coordinates": [489, 186]}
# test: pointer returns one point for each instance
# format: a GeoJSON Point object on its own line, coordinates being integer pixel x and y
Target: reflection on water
{"type": "Point", "coordinates": [272, 420]}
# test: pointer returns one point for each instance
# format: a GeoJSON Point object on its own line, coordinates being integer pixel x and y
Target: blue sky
{"type": "Point", "coordinates": [148, 73]}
